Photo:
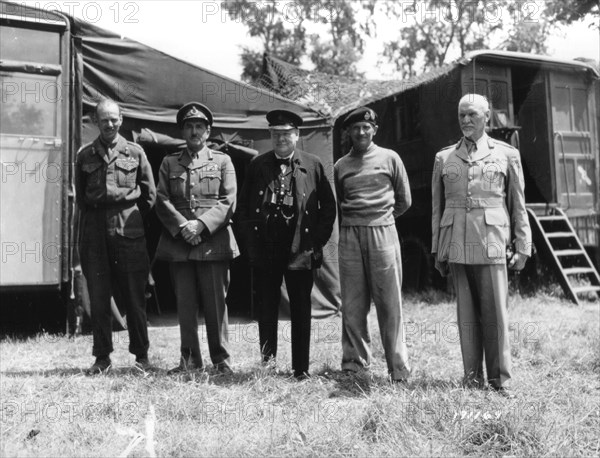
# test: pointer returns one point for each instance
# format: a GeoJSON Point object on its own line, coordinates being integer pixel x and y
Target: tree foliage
{"type": "Point", "coordinates": [282, 30]}
{"type": "Point", "coordinates": [435, 29]}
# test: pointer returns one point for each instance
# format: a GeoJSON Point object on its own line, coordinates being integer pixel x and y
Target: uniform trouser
{"type": "Point", "coordinates": [202, 284]}
{"type": "Point", "coordinates": [371, 267]}
{"type": "Point", "coordinates": [482, 306]}
{"type": "Point", "coordinates": [118, 266]}
{"type": "Point", "coordinates": [299, 285]}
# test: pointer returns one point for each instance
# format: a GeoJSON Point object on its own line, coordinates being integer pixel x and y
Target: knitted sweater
{"type": "Point", "coordinates": [372, 188]}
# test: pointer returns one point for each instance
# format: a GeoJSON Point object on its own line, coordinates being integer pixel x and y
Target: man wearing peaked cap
{"type": "Point", "coordinates": [195, 203]}
{"type": "Point", "coordinates": [362, 114]}
{"type": "Point", "coordinates": [283, 120]}
{"type": "Point", "coordinates": [286, 215]}
{"type": "Point", "coordinates": [372, 190]}
{"type": "Point", "coordinates": [194, 110]}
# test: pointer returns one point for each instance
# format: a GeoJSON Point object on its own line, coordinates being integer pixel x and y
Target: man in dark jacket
{"type": "Point", "coordinates": [286, 214]}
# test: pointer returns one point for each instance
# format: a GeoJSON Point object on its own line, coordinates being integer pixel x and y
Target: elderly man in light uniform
{"type": "Point", "coordinates": [478, 210]}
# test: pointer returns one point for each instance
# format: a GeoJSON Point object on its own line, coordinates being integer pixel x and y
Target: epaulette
{"type": "Point", "coordinates": [134, 144]}
{"type": "Point", "coordinates": [449, 147]}
{"type": "Point", "coordinates": [501, 143]}
{"type": "Point", "coordinates": [215, 151]}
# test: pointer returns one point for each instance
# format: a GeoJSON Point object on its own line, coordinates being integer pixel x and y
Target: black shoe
{"type": "Point", "coordinates": [223, 368]}
{"type": "Point", "coordinates": [143, 363]}
{"type": "Point", "coordinates": [185, 366]}
{"type": "Point", "coordinates": [504, 392]}
{"type": "Point", "coordinates": [102, 365]}
{"type": "Point", "coordinates": [301, 375]}
{"type": "Point", "coordinates": [473, 383]}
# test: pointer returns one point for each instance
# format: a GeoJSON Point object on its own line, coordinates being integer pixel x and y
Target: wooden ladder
{"type": "Point", "coordinates": [554, 235]}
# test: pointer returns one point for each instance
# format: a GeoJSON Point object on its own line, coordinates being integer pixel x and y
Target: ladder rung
{"type": "Point", "coordinates": [569, 252]}
{"type": "Point", "coordinates": [586, 289]}
{"type": "Point", "coordinates": [552, 218]}
{"type": "Point", "coordinates": [552, 235]}
{"type": "Point", "coordinates": [578, 270]}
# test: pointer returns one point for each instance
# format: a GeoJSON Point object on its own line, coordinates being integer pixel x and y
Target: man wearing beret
{"type": "Point", "coordinates": [372, 190]}
{"type": "Point", "coordinates": [115, 189]}
{"type": "Point", "coordinates": [286, 214]}
{"type": "Point", "coordinates": [478, 197]}
{"type": "Point", "coordinates": [196, 200]}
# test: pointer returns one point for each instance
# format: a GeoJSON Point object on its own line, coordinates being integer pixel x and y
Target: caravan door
{"type": "Point", "coordinates": [33, 152]}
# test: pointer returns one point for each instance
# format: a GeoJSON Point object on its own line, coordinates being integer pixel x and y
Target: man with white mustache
{"type": "Point", "coordinates": [478, 210]}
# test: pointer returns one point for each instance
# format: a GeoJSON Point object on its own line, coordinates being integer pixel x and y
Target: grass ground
{"type": "Point", "coordinates": [49, 408]}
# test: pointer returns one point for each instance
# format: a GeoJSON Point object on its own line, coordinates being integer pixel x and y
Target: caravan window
{"type": "Point", "coordinates": [29, 104]}
{"type": "Point", "coordinates": [27, 45]}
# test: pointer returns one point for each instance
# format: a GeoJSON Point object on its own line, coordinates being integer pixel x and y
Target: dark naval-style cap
{"type": "Point", "coordinates": [362, 114]}
{"type": "Point", "coordinates": [283, 120]}
{"type": "Point", "coordinates": [194, 110]}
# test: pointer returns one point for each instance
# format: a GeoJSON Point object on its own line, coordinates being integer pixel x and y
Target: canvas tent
{"type": "Point", "coordinates": [150, 86]}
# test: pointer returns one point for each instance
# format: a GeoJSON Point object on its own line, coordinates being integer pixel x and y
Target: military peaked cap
{"type": "Point", "coordinates": [283, 120]}
{"type": "Point", "coordinates": [362, 114]}
{"type": "Point", "coordinates": [194, 110]}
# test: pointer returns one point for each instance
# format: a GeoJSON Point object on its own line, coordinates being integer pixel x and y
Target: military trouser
{"type": "Point", "coordinates": [371, 268]}
{"type": "Point", "coordinates": [482, 306]}
{"type": "Point", "coordinates": [117, 266]}
{"type": "Point", "coordinates": [202, 284]}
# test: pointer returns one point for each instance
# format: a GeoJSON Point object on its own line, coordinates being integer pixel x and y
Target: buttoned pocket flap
{"type": "Point", "coordinates": [495, 217]}
{"type": "Point", "coordinates": [447, 219]}
{"type": "Point", "coordinates": [178, 176]}
{"type": "Point", "coordinates": [127, 164]}
{"type": "Point", "coordinates": [91, 167]}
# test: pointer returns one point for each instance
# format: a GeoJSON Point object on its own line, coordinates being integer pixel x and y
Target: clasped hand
{"type": "Point", "coordinates": [192, 231]}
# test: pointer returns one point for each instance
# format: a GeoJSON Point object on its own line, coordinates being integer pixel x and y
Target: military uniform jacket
{"type": "Point", "coordinates": [478, 204]}
{"type": "Point", "coordinates": [202, 188]}
{"type": "Point", "coordinates": [119, 183]}
{"type": "Point", "coordinates": [314, 206]}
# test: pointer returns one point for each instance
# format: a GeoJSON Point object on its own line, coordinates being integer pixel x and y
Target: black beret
{"type": "Point", "coordinates": [362, 114]}
{"type": "Point", "coordinates": [194, 110]}
{"type": "Point", "coordinates": [283, 119]}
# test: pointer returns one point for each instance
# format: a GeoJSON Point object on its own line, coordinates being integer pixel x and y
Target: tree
{"type": "Point", "coordinates": [569, 11]}
{"type": "Point", "coordinates": [281, 28]}
{"type": "Point", "coordinates": [434, 28]}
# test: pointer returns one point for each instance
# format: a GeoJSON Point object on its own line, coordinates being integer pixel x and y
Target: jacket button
{"type": "Point", "coordinates": [306, 212]}
{"type": "Point", "coordinates": [258, 210]}
{"type": "Point", "coordinates": [306, 230]}
{"type": "Point", "coordinates": [256, 228]}
{"type": "Point", "coordinates": [260, 193]}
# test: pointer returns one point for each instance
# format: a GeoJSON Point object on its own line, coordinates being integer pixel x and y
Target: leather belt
{"type": "Point", "coordinates": [473, 202]}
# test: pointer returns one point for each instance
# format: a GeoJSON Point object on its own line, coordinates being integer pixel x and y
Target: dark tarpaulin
{"type": "Point", "coordinates": [150, 86]}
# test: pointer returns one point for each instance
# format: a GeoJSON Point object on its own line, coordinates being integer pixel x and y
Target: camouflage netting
{"type": "Point", "coordinates": [333, 95]}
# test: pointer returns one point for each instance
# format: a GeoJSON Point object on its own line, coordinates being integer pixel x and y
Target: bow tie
{"type": "Point", "coordinates": [281, 162]}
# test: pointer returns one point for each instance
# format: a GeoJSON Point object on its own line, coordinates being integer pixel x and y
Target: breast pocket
{"type": "Point", "coordinates": [493, 175]}
{"type": "Point", "coordinates": [126, 172]}
{"type": "Point", "coordinates": [93, 173]}
{"type": "Point", "coordinates": [177, 184]}
{"type": "Point", "coordinates": [210, 183]}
